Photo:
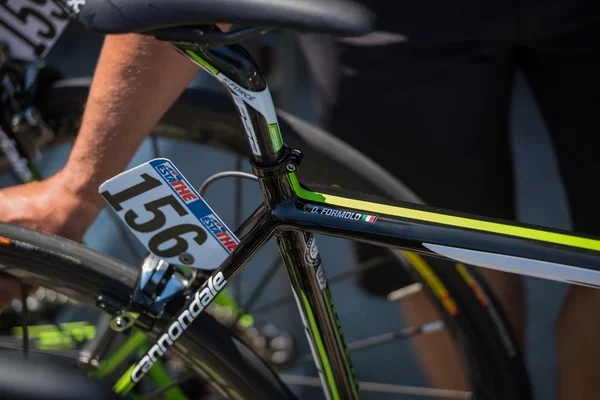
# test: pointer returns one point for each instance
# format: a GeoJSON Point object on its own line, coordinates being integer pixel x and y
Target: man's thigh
{"type": "Point", "coordinates": [561, 62]}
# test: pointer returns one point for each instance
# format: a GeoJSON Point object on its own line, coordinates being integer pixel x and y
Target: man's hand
{"type": "Point", "coordinates": [52, 206]}
{"type": "Point", "coordinates": [137, 79]}
{"type": "Point", "coordinates": [56, 205]}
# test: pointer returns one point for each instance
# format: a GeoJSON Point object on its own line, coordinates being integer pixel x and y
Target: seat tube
{"type": "Point", "coordinates": [235, 68]}
{"type": "Point", "coordinates": [321, 323]}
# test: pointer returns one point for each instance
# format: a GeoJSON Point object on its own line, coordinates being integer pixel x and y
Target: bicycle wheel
{"type": "Point", "coordinates": [210, 349]}
{"type": "Point", "coordinates": [488, 348]}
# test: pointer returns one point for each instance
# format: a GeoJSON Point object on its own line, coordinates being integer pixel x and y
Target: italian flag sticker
{"type": "Point", "coordinates": [369, 218]}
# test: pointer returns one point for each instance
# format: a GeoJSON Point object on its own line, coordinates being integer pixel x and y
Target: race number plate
{"type": "Point", "coordinates": [31, 27]}
{"type": "Point", "coordinates": [168, 215]}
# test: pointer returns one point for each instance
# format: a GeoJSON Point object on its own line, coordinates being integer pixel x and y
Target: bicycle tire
{"type": "Point", "coordinates": [83, 274]}
{"type": "Point", "coordinates": [209, 118]}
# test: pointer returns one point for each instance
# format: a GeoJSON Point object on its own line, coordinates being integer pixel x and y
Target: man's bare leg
{"type": "Point", "coordinates": [578, 345]}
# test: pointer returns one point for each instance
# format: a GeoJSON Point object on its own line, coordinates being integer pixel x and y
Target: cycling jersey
{"type": "Point", "coordinates": [31, 27]}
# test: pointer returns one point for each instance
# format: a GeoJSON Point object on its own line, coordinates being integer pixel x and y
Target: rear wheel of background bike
{"type": "Point", "coordinates": [489, 354]}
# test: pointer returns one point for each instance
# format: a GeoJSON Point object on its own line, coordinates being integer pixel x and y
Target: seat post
{"type": "Point", "coordinates": [271, 160]}
{"type": "Point", "coordinates": [235, 68]}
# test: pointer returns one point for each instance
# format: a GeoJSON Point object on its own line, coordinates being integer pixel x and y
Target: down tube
{"type": "Point", "coordinates": [322, 325]}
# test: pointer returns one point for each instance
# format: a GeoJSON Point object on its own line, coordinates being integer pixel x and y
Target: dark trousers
{"type": "Point", "coordinates": [428, 96]}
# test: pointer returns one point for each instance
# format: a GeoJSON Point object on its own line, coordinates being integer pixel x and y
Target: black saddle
{"type": "Point", "coordinates": [338, 17]}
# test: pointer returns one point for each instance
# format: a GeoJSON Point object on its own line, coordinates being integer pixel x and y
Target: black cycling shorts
{"type": "Point", "coordinates": [428, 96]}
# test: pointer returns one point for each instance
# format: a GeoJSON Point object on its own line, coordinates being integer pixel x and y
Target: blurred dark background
{"type": "Point", "coordinates": [540, 200]}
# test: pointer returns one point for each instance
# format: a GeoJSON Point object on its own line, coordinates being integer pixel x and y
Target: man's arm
{"type": "Point", "coordinates": [136, 81]}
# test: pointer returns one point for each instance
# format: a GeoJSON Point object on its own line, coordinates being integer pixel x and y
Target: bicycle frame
{"type": "Point", "coordinates": [293, 214]}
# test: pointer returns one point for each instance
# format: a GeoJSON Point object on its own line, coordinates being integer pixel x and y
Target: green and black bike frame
{"type": "Point", "coordinates": [293, 214]}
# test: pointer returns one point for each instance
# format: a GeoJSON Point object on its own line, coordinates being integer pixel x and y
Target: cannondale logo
{"type": "Point", "coordinates": [201, 300]}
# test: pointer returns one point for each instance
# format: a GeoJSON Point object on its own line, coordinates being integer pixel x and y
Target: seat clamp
{"type": "Point", "coordinates": [287, 164]}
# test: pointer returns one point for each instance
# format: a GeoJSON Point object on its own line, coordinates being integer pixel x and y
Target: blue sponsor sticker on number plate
{"type": "Point", "coordinates": [168, 215]}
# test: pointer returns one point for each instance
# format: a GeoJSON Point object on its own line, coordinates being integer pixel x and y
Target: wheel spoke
{"type": "Point", "coordinates": [372, 263]}
{"type": "Point", "coordinates": [237, 220]}
{"type": "Point", "coordinates": [96, 349]}
{"type": "Point", "coordinates": [135, 253]}
{"type": "Point", "coordinates": [375, 387]}
{"type": "Point", "coordinates": [385, 338]}
{"type": "Point", "coordinates": [238, 194]}
{"type": "Point", "coordinates": [404, 292]}
{"type": "Point", "coordinates": [154, 142]}
{"type": "Point", "coordinates": [259, 289]}
{"type": "Point", "coordinates": [367, 265]}
{"type": "Point", "coordinates": [25, 318]}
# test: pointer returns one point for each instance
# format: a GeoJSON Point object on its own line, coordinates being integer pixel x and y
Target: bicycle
{"type": "Point", "coordinates": [292, 205]}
